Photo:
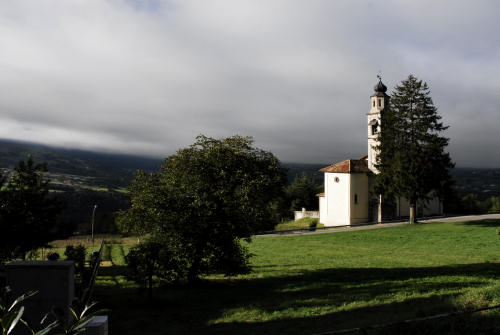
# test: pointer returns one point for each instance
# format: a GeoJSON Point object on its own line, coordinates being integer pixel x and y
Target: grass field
{"type": "Point", "coordinates": [304, 223]}
{"type": "Point", "coordinates": [313, 283]}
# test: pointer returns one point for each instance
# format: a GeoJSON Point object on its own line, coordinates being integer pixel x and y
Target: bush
{"type": "Point", "coordinates": [77, 254]}
{"type": "Point", "coordinates": [154, 261]}
{"type": "Point", "coordinates": [313, 224]}
{"type": "Point", "coordinates": [53, 256]}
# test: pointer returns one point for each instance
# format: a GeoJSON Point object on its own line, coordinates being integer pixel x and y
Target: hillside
{"type": "Point", "coordinates": [101, 171]}
{"type": "Point", "coordinates": [77, 167]}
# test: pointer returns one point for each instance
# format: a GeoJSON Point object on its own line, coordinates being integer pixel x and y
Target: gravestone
{"type": "Point", "coordinates": [98, 326]}
{"type": "Point", "coordinates": [54, 281]}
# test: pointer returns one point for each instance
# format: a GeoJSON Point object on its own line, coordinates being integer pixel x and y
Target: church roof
{"type": "Point", "coordinates": [380, 89]}
{"type": "Point", "coordinates": [348, 166]}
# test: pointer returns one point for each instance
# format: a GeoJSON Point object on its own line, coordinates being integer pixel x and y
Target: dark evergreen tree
{"type": "Point", "coordinates": [27, 212]}
{"type": "Point", "coordinates": [412, 158]}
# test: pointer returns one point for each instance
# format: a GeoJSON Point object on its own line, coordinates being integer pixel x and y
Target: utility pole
{"type": "Point", "coordinates": [93, 214]}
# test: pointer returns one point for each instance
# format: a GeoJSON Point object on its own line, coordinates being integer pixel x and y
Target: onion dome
{"type": "Point", "coordinates": [380, 87]}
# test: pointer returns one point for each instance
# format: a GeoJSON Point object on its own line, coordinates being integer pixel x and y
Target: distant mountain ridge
{"type": "Point", "coordinates": [117, 170]}
{"type": "Point", "coordinates": [107, 168]}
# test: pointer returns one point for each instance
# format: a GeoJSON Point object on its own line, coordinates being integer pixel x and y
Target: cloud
{"type": "Point", "coordinates": [148, 76]}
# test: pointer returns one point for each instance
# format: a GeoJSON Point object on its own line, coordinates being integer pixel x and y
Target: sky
{"type": "Point", "coordinates": [147, 77]}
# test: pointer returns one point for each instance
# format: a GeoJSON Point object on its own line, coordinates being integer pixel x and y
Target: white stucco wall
{"type": "Point", "coordinates": [297, 215]}
{"type": "Point", "coordinates": [360, 187]}
{"type": "Point", "coordinates": [337, 200]}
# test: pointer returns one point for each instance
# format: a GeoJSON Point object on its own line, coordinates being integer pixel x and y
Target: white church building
{"type": "Point", "coordinates": [347, 199]}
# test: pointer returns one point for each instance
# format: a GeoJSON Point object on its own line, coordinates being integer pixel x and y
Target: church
{"type": "Point", "coordinates": [347, 199]}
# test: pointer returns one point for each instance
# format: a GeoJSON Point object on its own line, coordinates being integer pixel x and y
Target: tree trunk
{"type": "Point", "coordinates": [379, 216]}
{"type": "Point", "coordinates": [413, 218]}
{"type": "Point", "coordinates": [193, 272]}
{"type": "Point", "coordinates": [150, 285]}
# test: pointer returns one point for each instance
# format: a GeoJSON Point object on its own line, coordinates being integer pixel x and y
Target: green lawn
{"type": "Point", "coordinates": [304, 223]}
{"type": "Point", "coordinates": [312, 283]}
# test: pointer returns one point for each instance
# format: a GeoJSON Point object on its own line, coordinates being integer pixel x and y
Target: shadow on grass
{"type": "Point", "coordinates": [115, 270]}
{"type": "Point", "coordinates": [313, 301]}
{"type": "Point", "coordinates": [483, 223]}
{"type": "Point", "coordinates": [362, 317]}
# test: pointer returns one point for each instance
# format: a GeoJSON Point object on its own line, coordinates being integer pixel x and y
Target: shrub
{"type": "Point", "coordinates": [53, 256]}
{"type": "Point", "coordinates": [77, 254]}
{"type": "Point", "coordinates": [304, 223]}
{"type": "Point", "coordinates": [154, 261]}
{"type": "Point", "coordinates": [11, 315]}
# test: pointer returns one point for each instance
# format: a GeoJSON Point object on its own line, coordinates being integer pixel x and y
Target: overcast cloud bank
{"type": "Point", "coordinates": [146, 77]}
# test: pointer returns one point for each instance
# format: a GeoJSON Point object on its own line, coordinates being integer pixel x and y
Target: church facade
{"type": "Point", "coordinates": [347, 199]}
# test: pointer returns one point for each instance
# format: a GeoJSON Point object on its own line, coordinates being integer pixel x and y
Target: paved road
{"type": "Point", "coordinates": [465, 218]}
{"type": "Point", "coordinates": [386, 225]}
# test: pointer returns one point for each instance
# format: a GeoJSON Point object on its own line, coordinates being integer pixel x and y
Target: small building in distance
{"type": "Point", "coordinates": [347, 199]}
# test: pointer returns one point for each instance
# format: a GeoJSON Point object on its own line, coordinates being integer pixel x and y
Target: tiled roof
{"type": "Point", "coordinates": [349, 166]}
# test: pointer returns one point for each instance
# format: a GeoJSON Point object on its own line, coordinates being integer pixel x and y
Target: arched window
{"type": "Point", "coordinates": [373, 102]}
{"type": "Point", "coordinates": [373, 127]}
{"type": "Point", "coordinates": [380, 102]}
{"type": "Point", "coordinates": [356, 198]}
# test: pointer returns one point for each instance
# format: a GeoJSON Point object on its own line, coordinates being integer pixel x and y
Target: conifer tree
{"type": "Point", "coordinates": [412, 160]}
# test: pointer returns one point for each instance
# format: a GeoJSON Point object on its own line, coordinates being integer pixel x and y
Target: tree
{"type": "Point", "coordinates": [412, 160]}
{"type": "Point", "coordinates": [204, 199]}
{"type": "Point", "coordinates": [5, 248]}
{"type": "Point", "coordinates": [27, 212]}
{"type": "Point", "coordinates": [302, 193]}
{"type": "Point", "coordinates": [495, 205]}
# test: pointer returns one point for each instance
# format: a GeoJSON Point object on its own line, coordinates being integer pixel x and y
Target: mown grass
{"type": "Point", "coordinates": [109, 252]}
{"type": "Point", "coordinates": [312, 283]}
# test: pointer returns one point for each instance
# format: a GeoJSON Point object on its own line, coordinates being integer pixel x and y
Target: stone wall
{"type": "Point", "coordinates": [305, 214]}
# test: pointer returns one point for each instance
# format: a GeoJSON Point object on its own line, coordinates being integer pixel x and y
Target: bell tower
{"type": "Point", "coordinates": [378, 103]}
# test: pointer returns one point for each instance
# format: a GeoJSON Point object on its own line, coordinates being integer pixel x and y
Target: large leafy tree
{"type": "Point", "coordinates": [27, 211]}
{"type": "Point", "coordinates": [412, 158]}
{"type": "Point", "coordinates": [204, 199]}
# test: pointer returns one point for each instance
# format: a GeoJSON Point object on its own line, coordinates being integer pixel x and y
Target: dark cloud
{"type": "Point", "coordinates": [148, 76]}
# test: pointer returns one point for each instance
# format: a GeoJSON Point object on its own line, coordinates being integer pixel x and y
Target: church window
{"type": "Point", "coordinates": [337, 179]}
{"type": "Point", "coordinates": [355, 198]}
{"type": "Point", "coordinates": [373, 103]}
{"type": "Point", "coordinates": [375, 128]}
{"type": "Point", "coordinates": [379, 102]}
